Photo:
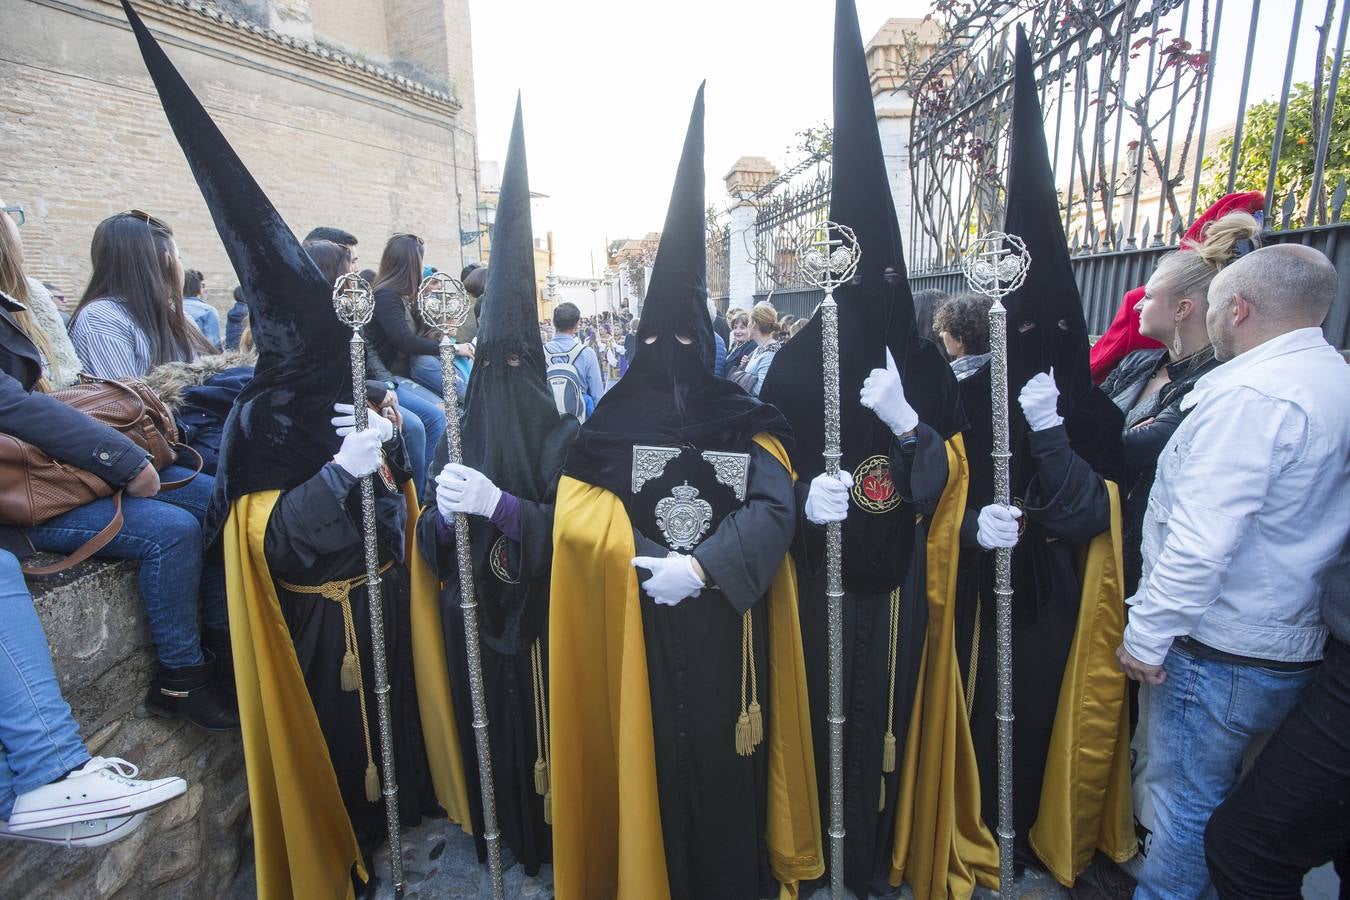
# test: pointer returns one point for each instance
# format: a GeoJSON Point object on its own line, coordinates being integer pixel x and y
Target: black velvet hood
{"type": "Point", "coordinates": [669, 395]}
{"type": "Point", "coordinates": [1046, 325]}
{"type": "Point", "coordinates": [509, 410]}
{"type": "Point", "coordinates": [876, 312]}
{"type": "Point", "coordinates": [279, 432]}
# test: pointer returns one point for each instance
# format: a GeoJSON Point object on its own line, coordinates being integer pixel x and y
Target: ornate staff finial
{"type": "Point", "coordinates": [443, 302]}
{"type": "Point", "coordinates": [353, 300]}
{"type": "Point", "coordinates": [996, 264]}
{"type": "Point", "coordinates": [828, 255]}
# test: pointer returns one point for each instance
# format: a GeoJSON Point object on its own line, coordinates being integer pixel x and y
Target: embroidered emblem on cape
{"type": "Point", "coordinates": [683, 518]}
{"type": "Point", "coordinates": [732, 469]}
{"type": "Point", "coordinates": [500, 560]}
{"type": "Point", "coordinates": [649, 463]}
{"type": "Point", "coordinates": [873, 489]}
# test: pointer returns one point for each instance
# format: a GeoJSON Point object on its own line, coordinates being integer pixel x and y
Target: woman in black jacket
{"type": "Point", "coordinates": [1148, 385]}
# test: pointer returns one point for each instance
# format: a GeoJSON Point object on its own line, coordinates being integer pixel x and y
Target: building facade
{"type": "Point", "coordinates": [357, 114]}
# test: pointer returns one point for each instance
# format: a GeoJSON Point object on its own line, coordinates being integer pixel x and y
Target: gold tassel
{"type": "Point", "coordinates": [372, 783]}
{"type": "Point", "coordinates": [881, 802]}
{"type": "Point", "coordinates": [744, 746]}
{"type": "Point", "coordinates": [350, 679]}
{"type": "Point", "coordinates": [548, 808]}
{"type": "Point", "coordinates": [888, 753]}
{"type": "Point", "coordinates": [540, 777]}
{"type": "Point", "coordinates": [756, 723]}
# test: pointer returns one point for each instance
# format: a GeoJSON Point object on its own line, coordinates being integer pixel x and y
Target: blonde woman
{"type": "Point", "coordinates": [40, 319]}
{"type": "Point", "coordinates": [764, 333]}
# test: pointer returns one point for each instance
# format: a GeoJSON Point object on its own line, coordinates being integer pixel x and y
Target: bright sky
{"type": "Point", "coordinates": [607, 87]}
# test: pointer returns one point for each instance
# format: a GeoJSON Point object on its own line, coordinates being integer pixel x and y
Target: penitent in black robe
{"type": "Point", "coordinates": [713, 800]}
{"type": "Point", "coordinates": [315, 536]}
{"type": "Point", "coordinates": [512, 615]}
{"type": "Point", "coordinates": [919, 470]}
{"type": "Point", "coordinates": [1066, 504]}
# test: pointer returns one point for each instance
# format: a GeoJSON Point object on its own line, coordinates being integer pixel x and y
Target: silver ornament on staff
{"type": "Point", "coordinates": [996, 265]}
{"type": "Point", "coordinates": [443, 304]}
{"type": "Point", "coordinates": [354, 304]}
{"type": "Point", "coordinates": [828, 257]}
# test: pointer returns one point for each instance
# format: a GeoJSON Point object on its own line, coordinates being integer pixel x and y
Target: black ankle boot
{"type": "Point", "coordinates": [191, 694]}
{"type": "Point", "coordinates": [217, 641]}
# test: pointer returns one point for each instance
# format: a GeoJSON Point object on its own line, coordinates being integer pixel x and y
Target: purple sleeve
{"type": "Point", "coordinates": [506, 517]}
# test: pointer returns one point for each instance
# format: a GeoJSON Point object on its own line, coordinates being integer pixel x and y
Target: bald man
{"type": "Point", "coordinates": [1250, 507]}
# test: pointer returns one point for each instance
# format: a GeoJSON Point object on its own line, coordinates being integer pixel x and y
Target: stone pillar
{"type": "Point", "coordinates": [899, 45]}
{"type": "Point", "coordinates": [748, 175]}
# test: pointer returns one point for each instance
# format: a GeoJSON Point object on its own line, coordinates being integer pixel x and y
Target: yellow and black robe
{"type": "Point", "coordinates": [304, 735]}
{"type": "Point", "coordinates": [637, 815]}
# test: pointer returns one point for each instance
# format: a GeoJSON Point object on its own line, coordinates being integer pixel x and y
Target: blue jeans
{"type": "Point", "coordinates": [426, 371]}
{"type": "Point", "coordinates": [429, 408]}
{"type": "Point", "coordinates": [164, 533]}
{"type": "Point", "coordinates": [1200, 722]}
{"type": "Point", "coordinates": [39, 740]}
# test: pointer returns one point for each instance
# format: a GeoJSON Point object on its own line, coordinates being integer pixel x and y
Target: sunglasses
{"type": "Point", "coordinates": [147, 219]}
{"type": "Point", "coordinates": [15, 213]}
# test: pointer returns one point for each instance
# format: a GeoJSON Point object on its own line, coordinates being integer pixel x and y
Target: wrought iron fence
{"type": "Point", "coordinates": [785, 209]}
{"type": "Point", "coordinates": [1152, 111]}
{"type": "Point", "coordinates": [719, 258]}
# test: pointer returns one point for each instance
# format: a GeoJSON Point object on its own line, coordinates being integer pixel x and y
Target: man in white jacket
{"type": "Point", "coordinates": [1251, 504]}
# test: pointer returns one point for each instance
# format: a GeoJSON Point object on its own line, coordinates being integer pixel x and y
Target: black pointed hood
{"type": "Point", "coordinates": [876, 312]}
{"type": "Point", "coordinates": [1046, 325]}
{"type": "Point", "coordinates": [509, 410]}
{"type": "Point", "coordinates": [512, 431]}
{"type": "Point", "coordinates": [669, 395]}
{"type": "Point", "coordinates": [278, 433]}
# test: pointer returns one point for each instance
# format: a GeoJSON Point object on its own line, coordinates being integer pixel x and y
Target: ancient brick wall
{"type": "Point", "coordinates": [333, 141]}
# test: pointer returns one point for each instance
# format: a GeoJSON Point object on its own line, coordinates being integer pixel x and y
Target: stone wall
{"type": "Point", "coordinates": [95, 623]}
{"type": "Point", "coordinates": [333, 139]}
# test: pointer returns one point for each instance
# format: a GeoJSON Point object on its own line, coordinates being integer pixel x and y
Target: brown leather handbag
{"type": "Point", "coordinates": [34, 487]}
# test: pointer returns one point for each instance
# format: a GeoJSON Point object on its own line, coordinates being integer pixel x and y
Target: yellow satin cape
{"type": "Point", "coordinates": [942, 846]}
{"type": "Point", "coordinates": [303, 841]}
{"type": "Point", "coordinates": [607, 838]}
{"type": "Point", "coordinates": [1085, 797]}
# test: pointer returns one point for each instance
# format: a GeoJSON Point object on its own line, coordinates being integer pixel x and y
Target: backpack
{"type": "Point", "coordinates": [565, 382]}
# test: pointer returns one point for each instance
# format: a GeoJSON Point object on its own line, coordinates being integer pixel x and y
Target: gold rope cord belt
{"type": "Point", "coordinates": [543, 752]}
{"type": "Point", "coordinates": [888, 742]}
{"type": "Point", "coordinates": [340, 592]}
{"type": "Point", "coordinates": [750, 723]}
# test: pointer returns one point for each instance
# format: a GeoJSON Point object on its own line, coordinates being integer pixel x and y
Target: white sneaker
{"type": "Point", "coordinates": [102, 788]}
{"type": "Point", "coordinates": [89, 833]}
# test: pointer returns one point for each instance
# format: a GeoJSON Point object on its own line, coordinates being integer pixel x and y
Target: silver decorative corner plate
{"type": "Point", "coordinates": [649, 463]}
{"type": "Point", "coordinates": [733, 470]}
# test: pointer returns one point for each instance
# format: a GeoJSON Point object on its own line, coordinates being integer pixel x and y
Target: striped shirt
{"type": "Point", "coordinates": [109, 342]}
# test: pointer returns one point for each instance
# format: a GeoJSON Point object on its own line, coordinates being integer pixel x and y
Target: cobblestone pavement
{"type": "Point", "coordinates": [439, 864]}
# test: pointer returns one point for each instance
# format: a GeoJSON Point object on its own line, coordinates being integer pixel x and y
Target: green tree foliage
{"type": "Point", "coordinates": [1298, 152]}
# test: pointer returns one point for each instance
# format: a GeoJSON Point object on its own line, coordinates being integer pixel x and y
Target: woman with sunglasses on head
{"type": "Point", "coordinates": [161, 531]}
{"type": "Point", "coordinates": [130, 317]}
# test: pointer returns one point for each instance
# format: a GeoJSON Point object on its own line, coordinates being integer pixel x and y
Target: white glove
{"type": "Point", "coordinates": [460, 489]}
{"type": "Point", "coordinates": [827, 500]}
{"type": "Point", "coordinates": [883, 393]}
{"type": "Point", "coordinates": [360, 453]}
{"type": "Point", "coordinates": [345, 422]}
{"type": "Point", "coordinates": [998, 526]}
{"type": "Point", "coordinates": [1038, 398]}
{"type": "Point", "coordinates": [673, 578]}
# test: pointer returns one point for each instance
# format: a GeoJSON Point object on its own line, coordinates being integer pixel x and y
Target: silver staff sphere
{"type": "Point", "coordinates": [829, 255]}
{"type": "Point", "coordinates": [996, 264]}
{"type": "Point", "coordinates": [353, 300]}
{"type": "Point", "coordinates": [443, 302]}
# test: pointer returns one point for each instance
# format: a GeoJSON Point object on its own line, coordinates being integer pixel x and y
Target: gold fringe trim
{"type": "Point", "coordinates": [974, 668]}
{"type": "Point", "coordinates": [750, 723]}
{"type": "Point", "coordinates": [349, 676]}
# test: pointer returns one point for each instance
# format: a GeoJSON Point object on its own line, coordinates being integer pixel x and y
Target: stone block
{"type": "Point", "coordinates": [190, 848]}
